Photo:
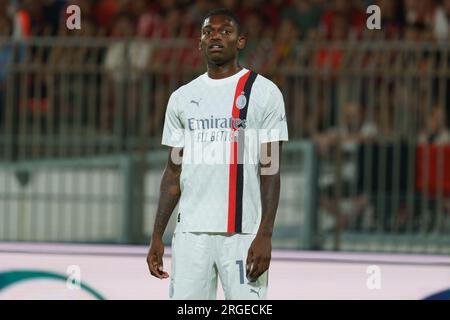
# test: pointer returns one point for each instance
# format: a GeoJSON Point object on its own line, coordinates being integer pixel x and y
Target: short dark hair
{"type": "Point", "coordinates": [224, 12]}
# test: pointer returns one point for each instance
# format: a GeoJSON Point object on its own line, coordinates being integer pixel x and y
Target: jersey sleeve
{"type": "Point", "coordinates": [274, 122]}
{"type": "Point", "coordinates": [173, 132]}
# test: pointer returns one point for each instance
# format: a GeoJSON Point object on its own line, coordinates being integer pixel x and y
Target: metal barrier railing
{"type": "Point", "coordinates": [66, 97]}
{"type": "Point", "coordinates": [375, 112]}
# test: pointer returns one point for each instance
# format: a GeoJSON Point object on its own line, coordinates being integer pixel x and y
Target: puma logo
{"type": "Point", "coordinates": [257, 292]}
{"type": "Point", "coordinates": [196, 102]}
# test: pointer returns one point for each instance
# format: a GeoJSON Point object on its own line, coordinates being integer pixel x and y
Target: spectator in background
{"type": "Point", "coordinates": [441, 25]}
{"type": "Point", "coordinates": [248, 7]}
{"type": "Point", "coordinates": [435, 19]}
{"type": "Point", "coordinates": [117, 59]}
{"type": "Point", "coordinates": [198, 9]}
{"type": "Point", "coordinates": [40, 17]}
{"type": "Point", "coordinates": [432, 167]}
{"type": "Point", "coordinates": [418, 31]}
{"type": "Point", "coordinates": [177, 28]}
{"type": "Point", "coordinates": [22, 23]}
{"type": "Point", "coordinates": [283, 49]}
{"type": "Point", "coordinates": [271, 11]}
{"type": "Point", "coordinates": [267, 11]}
{"type": "Point", "coordinates": [306, 15]}
{"type": "Point", "coordinates": [35, 18]}
{"type": "Point", "coordinates": [436, 130]}
{"type": "Point", "coordinates": [137, 7]}
{"type": "Point", "coordinates": [51, 12]}
{"type": "Point", "coordinates": [87, 8]}
{"type": "Point", "coordinates": [421, 11]}
{"type": "Point", "coordinates": [165, 22]}
{"type": "Point", "coordinates": [251, 56]}
{"type": "Point", "coordinates": [354, 128]}
{"type": "Point", "coordinates": [432, 153]}
{"type": "Point", "coordinates": [125, 63]}
{"type": "Point", "coordinates": [347, 10]}
{"type": "Point", "coordinates": [411, 8]}
{"type": "Point", "coordinates": [149, 23]}
{"type": "Point", "coordinates": [6, 55]}
{"type": "Point", "coordinates": [73, 55]}
{"type": "Point", "coordinates": [392, 18]}
{"type": "Point", "coordinates": [352, 132]}
{"type": "Point", "coordinates": [105, 12]}
{"type": "Point", "coordinates": [117, 64]}
{"type": "Point", "coordinates": [74, 88]}
{"type": "Point", "coordinates": [165, 6]}
{"type": "Point", "coordinates": [329, 57]}
{"type": "Point", "coordinates": [10, 53]}
{"type": "Point", "coordinates": [232, 5]}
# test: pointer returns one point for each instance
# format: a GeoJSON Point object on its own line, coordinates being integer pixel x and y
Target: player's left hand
{"type": "Point", "coordinates": [258, 257]}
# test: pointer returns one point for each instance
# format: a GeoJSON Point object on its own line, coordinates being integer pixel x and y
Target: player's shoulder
{"type": "Point", "coordinates": [182, 94]}
{"type": "Point", "coordinates": [265, 83]}
{"type": "Point", "coordinates": [189, 87]}
{"type": "Point", "coordinates": [265, 88]}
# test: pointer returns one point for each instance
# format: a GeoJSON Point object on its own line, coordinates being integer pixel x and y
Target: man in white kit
{"type": "Point", "coordinates": [226, 180]}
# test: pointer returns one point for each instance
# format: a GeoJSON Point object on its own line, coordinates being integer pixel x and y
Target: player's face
{"type": "Point", "coordinates": [220, 41]}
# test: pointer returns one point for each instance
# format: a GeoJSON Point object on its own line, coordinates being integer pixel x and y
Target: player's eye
{"type": "Point", "coordinates": [227, 32]}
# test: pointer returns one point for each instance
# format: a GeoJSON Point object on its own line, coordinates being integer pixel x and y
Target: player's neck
{"type": "Point", "coordinates": [223, 71]}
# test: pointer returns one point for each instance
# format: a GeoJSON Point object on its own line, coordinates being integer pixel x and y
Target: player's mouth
{"type": "Point", "coordinates": [216, 47]}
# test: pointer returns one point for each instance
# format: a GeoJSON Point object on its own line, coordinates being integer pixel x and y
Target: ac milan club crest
{"type": "Point", "coordinates": [241, 101]}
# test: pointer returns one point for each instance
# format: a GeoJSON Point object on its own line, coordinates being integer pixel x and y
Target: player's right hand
{"type": "Point", "coordinates": [155, 259]}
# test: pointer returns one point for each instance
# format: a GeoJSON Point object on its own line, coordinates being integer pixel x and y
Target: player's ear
{"type": "Point", "coordinates": [199, 44]}
{"type": "Point", "coordinates": [241, 42]}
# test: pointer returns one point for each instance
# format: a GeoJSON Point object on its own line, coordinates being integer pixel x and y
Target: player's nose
{"type": "Point", "coordinates": [216, 35]}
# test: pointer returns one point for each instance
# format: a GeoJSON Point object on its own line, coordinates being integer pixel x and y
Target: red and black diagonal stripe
{"type": "Point", "coordinates": [236, 182]}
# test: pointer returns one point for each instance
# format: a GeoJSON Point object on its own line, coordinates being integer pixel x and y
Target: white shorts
{"type": "Point", "coordinates": [199, 258]}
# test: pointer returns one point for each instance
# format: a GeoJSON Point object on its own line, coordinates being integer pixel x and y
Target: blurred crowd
{"type": "Point", "coordinates": [274, 30]}
{"type": "Point", "coordinates": [297, 19]}
{"type": "Point", "coordinates": [273, 27]}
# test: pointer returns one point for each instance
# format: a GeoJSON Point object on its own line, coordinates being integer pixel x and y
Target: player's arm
{"type": "Point", "coordinates": [259, 253]}
{"type": "Point", "coordinates": [168, 198]}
